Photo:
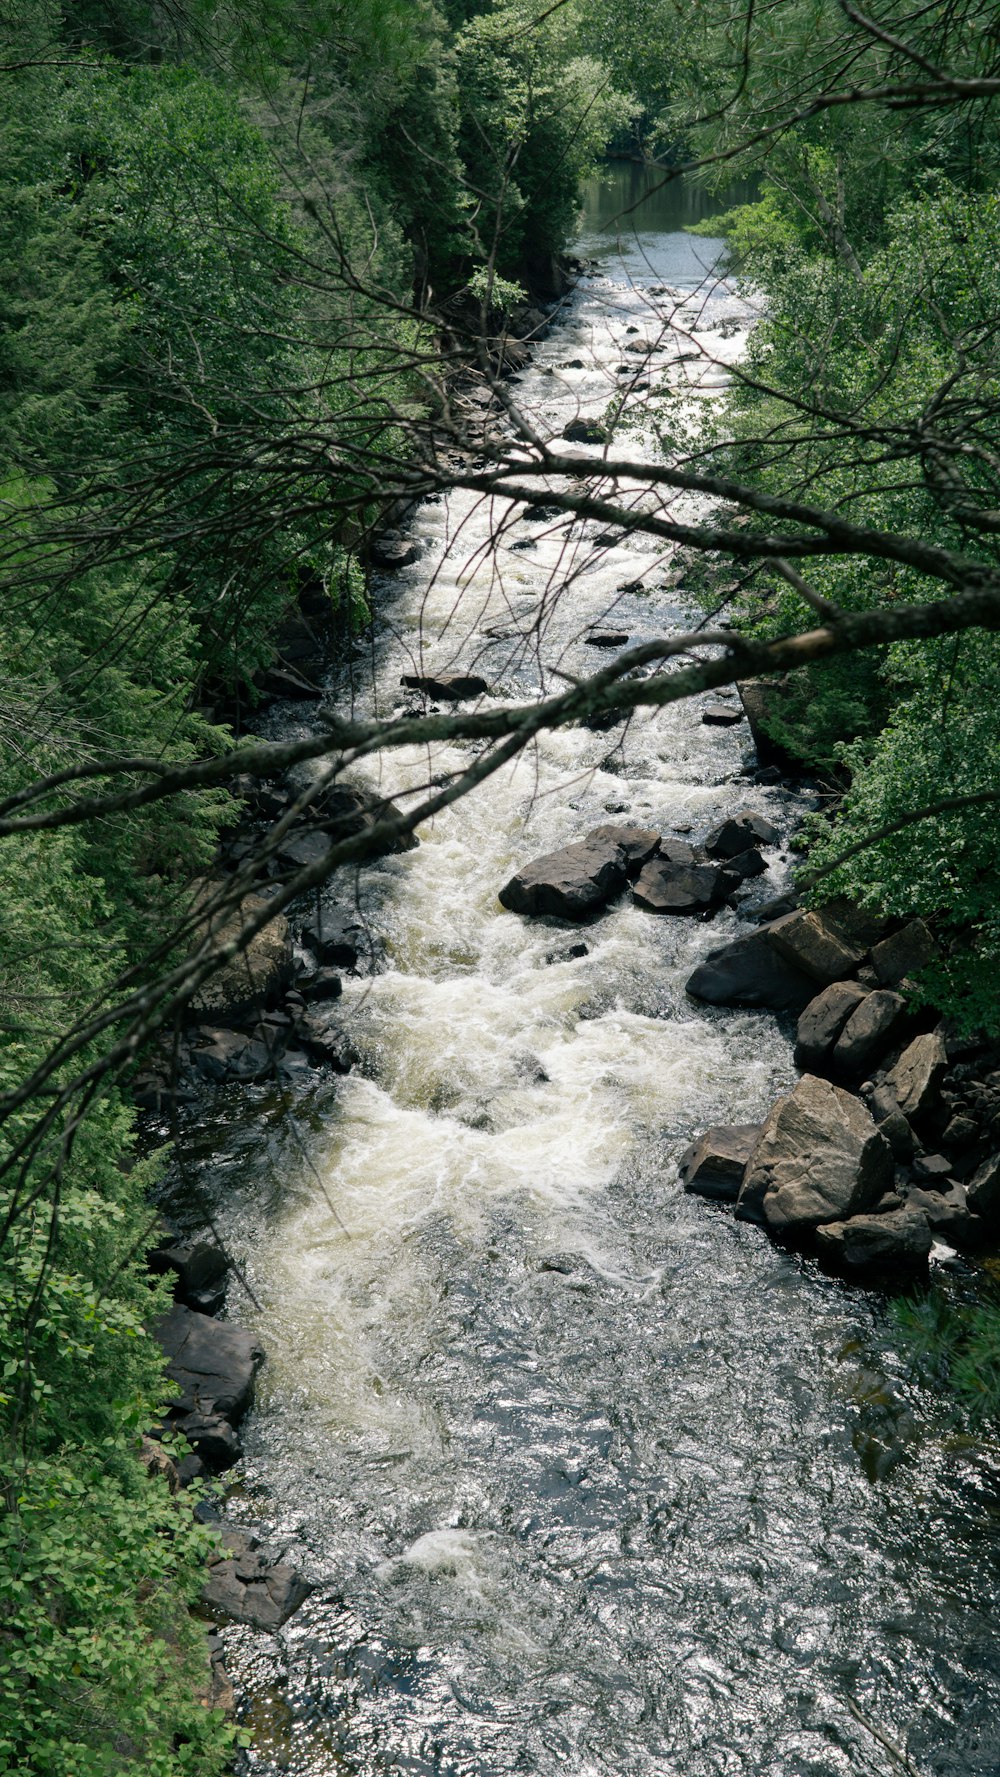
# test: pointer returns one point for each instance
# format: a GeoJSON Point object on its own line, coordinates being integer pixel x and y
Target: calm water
{"type": "Point", "coordinates": [590, 1478]}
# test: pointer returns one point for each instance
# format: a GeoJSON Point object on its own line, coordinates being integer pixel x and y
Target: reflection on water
{"type": "Point", "coordinates": [636, 216]}
{"type": "Point", "coordinates": [589, 1477]}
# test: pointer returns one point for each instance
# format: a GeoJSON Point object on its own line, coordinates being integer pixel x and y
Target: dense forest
{"type": "Point", "coordinates": [249, 251]}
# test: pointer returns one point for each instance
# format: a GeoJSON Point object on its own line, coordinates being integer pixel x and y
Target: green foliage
{"type": "Point", "coordinates": [955, 1344]}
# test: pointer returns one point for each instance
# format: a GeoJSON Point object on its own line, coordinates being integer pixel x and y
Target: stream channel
{"type": "Point", "coordinates": [589, 1477]}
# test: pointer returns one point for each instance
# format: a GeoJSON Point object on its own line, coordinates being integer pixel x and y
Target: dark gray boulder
{"type": "Point", "coordinates": [196, 1264]}
{"type": "Point", "coordinates": [579, 880]}
{"type": "Point", "coordinates": [214, 1441]}
{"type": "Point", "coordinates": [750, 972]}
{"type": "Point", "coordinates": [245, 1587]}
{"type": "Point", "coordinates": [869, 1032]}
{"type": "Point", "coordinates": [721, 715]}
{"type": "Point", "coordinates": [258, 974]}
{"type": "Point", "coordinates": [900, 1240]}
{"type": "Point", "coordinates": [666, 887]}
{"type": "Point", "coordinates": [745, 865]}
{"type": "Point", "coordinates": [639, 844]}
{"type": "Point", "coordinates": [335, 936]}
{"type": "Point", "coordinates": [823, 1020]}
{"type": "Point", "coordinates": [606, 638]}
{"type": "Point", "coordinates": [584, 432]}
{"type": "Point", "coordinates": [211, 1362]}
{"type": "Point", "coordinates": [904, 953]}
{"type": "Point", "coordinates": [948, 1214]}
{"type": "Point", "coordinates": [819, 1158]}
{"type": "Point", "coordinates": [218, 1055]}
{"type": "Point", "coordinates": [325, 1040]}
{"type": "Point", "coordinates": [740, 833]}
{"type": "Point", "coordinates": [449, 687]}
{"type": "Point", "coordinates": [389, 551]}
{"type": "Point", "coordinates": [713, 1166]}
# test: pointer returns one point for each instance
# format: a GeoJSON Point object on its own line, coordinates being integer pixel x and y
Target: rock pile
{"type": "Point", "coordinates": [669, 875]}
{"type": "Point", "coordinates": [890, 1139]}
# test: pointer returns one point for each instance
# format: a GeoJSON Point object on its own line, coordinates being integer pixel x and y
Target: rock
{"type": "Point", "coordinates": [212, 1363]}
{"type": "Point", "coordinates": [231, 1055]}
{"type": "Point", "coordinates": [823, 1020]}
{"type": "Point", "coordinates": [869, 1031]}
{"type": "Point", "coordinates": [721, 715]}
{"type": "Point", "coordinates": [983, 1192]}
{"type": "Point", "coordinates": [450, 687]}
{"type": "Point", "coordinates": [745, 864]}
{"type": "Point", "coordinates": [739, 834]}
{"type": "Point", "coordinates": [948, 1214]}
{"type": "Point", "coordinates": [325, 1041]}
{"type": "Point", "coordinates": [301, 850]}
{"type": "Point", "coordinates": [900, 1240]}
{"type": "Point", "coordinates": [915, 1081]}
{"type": "Point", "coordinates": [212, 1439]}
{"type": "Point", "coordinates": [750, 972]}
{"type": "Point", "coordinates": [904, 953]}
{"type": "Point", "coordinates": [932, 1167]}
{"type": "Point", "coordinates": [960, 1132]}
{"type": "Point", "coordinates": [335, 936]}
{"type": "Point", "coordinates": [258, 975]}
{"type": "Point", "coordinates": [243, 1586]}
{"type": "Point", "coordinates": [584, 432]}
{"type": "Point", "coordinates": [343, 811]}
{"type": "Point", "coordinates": [324, 985]}
{"type": "Point", "coordinates": [897, 1132]}
{"type": "Point", "coordinates": [814, 945]}
{"type": "Point", "coordinates": [666, 887]}
{"type": "Point", "coordinates": [606, 638]}
{"type": "Point", "coordinates": [819, 1158]}
{"type": "Point", "coordinates": [389, 551]}
{"type": "Point", "coordinates": [638, 843]}
{"type": "Point", "coordinates": [713, 1166]}
{"type": "Point", "coordinates": [195, 1263]}
{"type": "Point", "coordinates": [579, 880]}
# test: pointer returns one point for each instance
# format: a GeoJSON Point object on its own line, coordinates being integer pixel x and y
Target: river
{"type": "Point", "coordinates": [590, 1478]}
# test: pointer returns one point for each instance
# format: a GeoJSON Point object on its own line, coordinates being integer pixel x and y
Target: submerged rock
{"type": "Point", "coordinates": [819, 1158]}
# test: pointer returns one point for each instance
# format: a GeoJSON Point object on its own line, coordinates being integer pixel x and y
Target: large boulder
{"type": "Point", "coordinates": [713, 1166]}
{"type": "Point", "coordinates": [665, 887]}
{"type": "Point", "coordinates": [211, 1362]}
{"type": "Point", "coordinates": [762, 701]}
{"type": "Point", "coordinates": [740, 833]}
{"type": "Point", "coordinates": [869, 1031]}
{"type": "Point", "coordinates": [904, 953]}
{"type": "Point", "coordinates": [257, 975]}
{"type": "Point", "coordinates": [898, 1240]}
{"type": "Point", "coordinates": [915, 1081]}
{"type": "Point", "coordinates": [751, 972]}
{"type": "Point", "coordinates": [579, 880]}
{"type": "Point", "coordinates": [814, 944]}
{"type": "Point", "coordinates": [819, 1158]}
{"type": "Point", "coordinates": [638, 843]}
{"type": "Point", "coordinates": [247, 1588]}
{"type": "Point", "coordinates": [823, 1020]}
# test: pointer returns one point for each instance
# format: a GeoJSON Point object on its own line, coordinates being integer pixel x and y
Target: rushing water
{"type": "Point", "coordinates": [590, 1478]}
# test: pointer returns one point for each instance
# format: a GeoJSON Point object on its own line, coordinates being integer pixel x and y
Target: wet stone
{"type": "Point", "coordinates": [713, 1166]}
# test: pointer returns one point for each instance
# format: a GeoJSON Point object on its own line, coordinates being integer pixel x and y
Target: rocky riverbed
{"type": "Point", "coordinates": [581, 1472]}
